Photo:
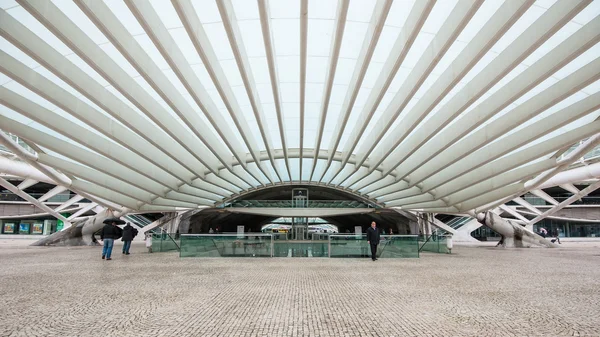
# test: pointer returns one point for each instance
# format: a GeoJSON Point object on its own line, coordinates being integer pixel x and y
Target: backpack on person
{"type": "Point", "coordinates": [118, 232]}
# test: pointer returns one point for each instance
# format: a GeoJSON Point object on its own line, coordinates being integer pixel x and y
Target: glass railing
{"type": "Point", "coordinates": [226, 245]}
{"type": "Point", "coordinates": [265, 245]}
{"type": "Point", "coordinates": [165, 242]}
{"type": "Point", "coordinates": [434, 243]}
{"type": "Point", "coordinates": [292, 248]}
{"type": "Point", "coordinates": [391, 246]}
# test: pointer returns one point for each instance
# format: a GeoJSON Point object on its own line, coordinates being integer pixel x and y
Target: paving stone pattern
{"type": "Point", "coordinates": [474, 292]}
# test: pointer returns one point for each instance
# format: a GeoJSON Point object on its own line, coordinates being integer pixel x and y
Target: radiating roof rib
{"type": "Point", "coordinates": [303, 60]}
{"type": "Point", "coordinates": [501, 22]}
{"type": "Point", "coordinates": [60, 97]}
{"type": "Point", "coordinates": [476, 175]}
{"type": "Point", "coordinates": [564, 53]}
{"type": "Point", "coordinates": [64, 69]}
{"type": "Point", "coordinates": [239, 52]}
{"type": "Point", "coordinates": [449, 31]}
{"type": "Point", "coordinates": [85, 48]}
{"type": "Point", "coordinates": [80, 154]}
{"type": "Point", "coordinates": [517, 51]}
{"type": "Point", "coordinates": [409, 32]}
{"type": "Point", "coordinates": [196, 33]}
{"type": "Point", "coordinates": [265, 20]}
{"type": "Point", "coordinates": [450, 107]}
{"type": "Point", "coordinates": [471, 169]}
{"type": "Point", "coordinates": [52, 175]}
{"type": "Point", "coordinates": [362, 64]}
{"type": "Point", "coordinates": [494, 104]}
{"type": "Point", "coordinates": [336, 42]}
{"type": "Point", "coordinates": [500, 126]}
{"type": "Point", "coordinates": [105, 20]}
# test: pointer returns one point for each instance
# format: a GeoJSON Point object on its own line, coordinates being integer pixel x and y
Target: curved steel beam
{"type": "Point", "coordinates": [363, 198]}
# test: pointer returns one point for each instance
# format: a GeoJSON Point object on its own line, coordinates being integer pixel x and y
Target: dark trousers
{"type": "Point", "coordinates": [373, 251]}
{"type": "Point", "coordinates": [126, 246]}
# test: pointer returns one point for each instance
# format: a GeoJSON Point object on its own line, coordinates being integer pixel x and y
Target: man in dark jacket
{"type": "Point", "coordinates": [128, 234]}
{"type": "Point", "coordinates": [110, 232]}
{"type": "Point", "coordinates": [373, 239]}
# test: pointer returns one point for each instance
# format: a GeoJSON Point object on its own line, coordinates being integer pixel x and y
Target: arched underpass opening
{"type": "Point", "coordinates": [256, 209]}
{"type": "Point", "coordinates": [297, 221]}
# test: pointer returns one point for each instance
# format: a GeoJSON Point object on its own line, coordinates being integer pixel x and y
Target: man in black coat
{"type": "Point", "coordinates": [110, 232]}
{"type": "Point", "coordinates": [128, 234]}
{"type": "Point", "coordinates": [373, 239]}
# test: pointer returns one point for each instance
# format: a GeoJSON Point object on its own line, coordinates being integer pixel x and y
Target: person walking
{"type": "Point", "coordinates": [110, 232]}
{"type": "Point", "coordinates": [373, 239]}
{"type": "Point", "coordinates": [149, 242]}
{"type": "Point", "coordinates": [128, 234]}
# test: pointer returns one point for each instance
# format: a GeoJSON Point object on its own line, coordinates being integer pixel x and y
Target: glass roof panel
{"type": "Point", "coordinates": [324, 9]}
{"type": "Point", "coordinates": [354, 34]}
{"type": "Point", "coordinates": [587, 15]}
{"type": "Point", "coordinates": [122, 12]}
{"type": "Point", "coordinates": [285, 29]}
{"type": "Point", "coordinates": [73, 12]}
{"type": "Point", "coordinates": [252, 37]}
{"type": "Point", "coordinates": [20, 14]}
{"type": "Point", "coordinates": [286, 36]}
{"type": "Point", "coordinates": [440, 12]}
{"type": "Point", "coordinates": [319, 35]}
{"type": "Point", "coordinates": [360, 10]}
{"type": "Point", "coordinates": [168, 14]}
{"type": "Point", "coordinates": [207, 11]}
{"type": "Point", "coordinates": [185, 45]}
{"type": "Point", "coordinates": [529, 17]}
{"type": "Point", "coordinates": [7, 4]}
{"type": "Point", "coordinates": [219, 41]}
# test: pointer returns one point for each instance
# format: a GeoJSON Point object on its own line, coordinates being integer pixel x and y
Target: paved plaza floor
{"type": "Point", "coordinates": [476, 291]}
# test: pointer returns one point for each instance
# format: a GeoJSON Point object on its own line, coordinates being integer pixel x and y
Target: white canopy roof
{"type": "Point", "coordinates": [447, 105]}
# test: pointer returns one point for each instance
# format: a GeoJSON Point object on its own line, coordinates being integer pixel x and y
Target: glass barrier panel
{"type": "Point", "coordinates": [226, 245]}
{"type": "Point", "coordinates": [433, 243]}
{"type": "Point", "coordinates": [301, 248]}
{"type": "Point", "coordinates": [165, 242]}
{"type": "Point", "coordinates": [390, 246]}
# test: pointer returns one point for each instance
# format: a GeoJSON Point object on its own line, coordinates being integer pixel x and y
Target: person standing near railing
{"type": "Point", "coordinates": [373, 239]}
{"type": "Point", "coordinates": [149, 242]}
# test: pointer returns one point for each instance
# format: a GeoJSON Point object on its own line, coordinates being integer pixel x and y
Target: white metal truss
{"type": "Point", "coordinates": [33, 200]}
{"type": "Point", "coordinates": [565, 203]}
{"type": "Point", "coordinates": [432, 106]}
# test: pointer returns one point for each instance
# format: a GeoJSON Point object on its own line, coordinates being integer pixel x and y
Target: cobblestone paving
{"type": "Point", "coordinates": [475, 292]}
